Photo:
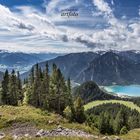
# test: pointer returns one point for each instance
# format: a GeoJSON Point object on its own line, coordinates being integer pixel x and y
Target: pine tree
{"type": "Point", "coordinates": [69, 97]}
{"type": "Point", "coordinates": [104, 123]}
{"type": "Point", "coordinates": [79, 111]}
{"type": "Point", "coordinates": [45, 87]}
{"type": "Point", "coordinates": [5, 88]}
{"type": "Point", "coordinates": [53, 88]}
{"type": "Point", "coordinates": [35, 99]}
{"type": "Point", "coordinates": [19, 86]}
{"type": "Point", "coordinates": [120, 121]}
{"type": "Point", "coordinates": [13, 89]}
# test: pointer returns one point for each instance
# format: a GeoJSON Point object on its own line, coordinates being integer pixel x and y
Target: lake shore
{"type": "Point", "coordinates": [123, 91]}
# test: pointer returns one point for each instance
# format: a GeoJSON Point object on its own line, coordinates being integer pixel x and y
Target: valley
{"type": "Point", "coordinates": [71, 96]}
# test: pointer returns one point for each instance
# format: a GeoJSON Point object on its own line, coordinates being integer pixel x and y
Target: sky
{"type": "Point", "coordinates": [37, 26]}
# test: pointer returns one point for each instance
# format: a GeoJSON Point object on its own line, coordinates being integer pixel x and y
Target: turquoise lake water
{"type": "Point", "coordinates": [131, 90]}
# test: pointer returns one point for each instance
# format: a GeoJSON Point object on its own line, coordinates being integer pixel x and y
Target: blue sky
{"type": "Point", "coordinates": [37, 25]}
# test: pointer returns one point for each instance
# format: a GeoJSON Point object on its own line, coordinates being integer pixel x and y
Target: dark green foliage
{"type": "Point", "coordinates": [19, 88]}
{"type": "Point", "coordinates": [89, 91]}
{"type": "Point", "coordinates": [75, 112]}
{"type": "Point", "coordinates": [121, 120]}
{"type": "Point", "coordinates": [68, 114]}
{"type": "Point", "coordinates": [48, 91]}
{"type": "Point", "coordinates": [124, 130]}
{"type": "Point", "coordinates": [5, 89]}
{"type": "Point", "coordinates": [113, 118]}
{"type": "Point", "coordinates": [43, 90]}
{"type": "Point", "coordinates": [11, 89]}
{"type": "Point", "coordinates": [105, 123]}
{"type": "Point", "coordinates": [79, 115]}
{"type": "Point", "coordinates": [136, 101]}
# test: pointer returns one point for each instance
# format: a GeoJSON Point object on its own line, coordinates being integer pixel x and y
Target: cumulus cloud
{"type": "Point", "coordinates": [26, 28]}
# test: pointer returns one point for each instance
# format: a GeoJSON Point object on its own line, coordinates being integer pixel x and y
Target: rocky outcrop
{"type": "Point", "coordinates": [61, 131]}
{"type": "Point", "coordinates": [2, 135]}
{"type": "Point", "coordinates": [30, 132]}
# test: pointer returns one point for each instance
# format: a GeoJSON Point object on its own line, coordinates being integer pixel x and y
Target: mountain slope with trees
{"type": "Point", "coordinates": [111, 68]}
{"type": "Point", "coordinates": [113, 121]}
{"type": "Point", "coordinates": [89, 91]}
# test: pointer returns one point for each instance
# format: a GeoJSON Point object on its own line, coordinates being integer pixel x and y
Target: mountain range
{"type": "Point", "coordinates": [105, 68]}
{"type": "Point", "coordinates": [111, 68]}
{"type": "Point", "coordinates": [22, 61]}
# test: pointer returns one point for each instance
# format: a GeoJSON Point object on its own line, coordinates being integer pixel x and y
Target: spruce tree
{"type": "Point", "coordinates": [104, 123]}
{"type": "Point", "coordinates": [120, 120]}
{"type": "Point", "coordinates": [45, 87]}
{"type": "Point", "coordinates": [13, 89]}
{"type": "Point", "coordinates": [5, 88]}
{"type": "Point", "coordinates": [79, 111]}
{"type": "Point", "coordinates": [35, 99]}
{"type": "Point", "coordinates": [19, 86]}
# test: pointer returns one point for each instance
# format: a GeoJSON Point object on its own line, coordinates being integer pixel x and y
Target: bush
{"type": "Point", "coordinates": [68, 113]}
{"type": "Point", "coordinates": [123, 130]}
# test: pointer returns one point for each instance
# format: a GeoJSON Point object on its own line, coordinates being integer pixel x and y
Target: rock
{"type": "Point", "coordinates": [59, 126]}
{"type": "Point", "coordinates": [15, 137]}
{"type": "Point", "coordinates": [50, 122]}
{"type": "Point", "coordinates": [26, 135]}
{"type": "Point", "coordinates": [95, 137]}
{"type": "Point", "coordinates": [59, 130]}
{"type": "Point", "coordinates": [117, 138]}
{"type": "Point", "coordinates": [40, 133]}
{"type": "Point", "coordinates": [2, 135]}
{"type": "Point", "coordinates": [106, 138]}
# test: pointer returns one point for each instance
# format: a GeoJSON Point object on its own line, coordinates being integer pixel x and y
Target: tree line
{"type": "Point", "coordinates": [42, 89]}
{"type": "Point", "coordinates": [11, 89]}
{"type": "Point", "coordinates": [113, 118]}
{"type": "Point", "coordinates": [50, 91]}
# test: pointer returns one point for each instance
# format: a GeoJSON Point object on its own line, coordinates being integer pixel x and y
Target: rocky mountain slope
{"type": "Point", "coordinates": [71, 65]}
{"type": "Point", "coordinates": [105, 68]}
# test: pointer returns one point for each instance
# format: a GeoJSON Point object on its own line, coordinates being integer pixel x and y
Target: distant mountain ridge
{"type": "Point", "coordinates": [71, 64]}
{"type": "Point", "coordinates": [105, 68]}
{"type": "Point", "coordinates": [111, 68]}
{"type": "Point", "coordinates": [22, 61]}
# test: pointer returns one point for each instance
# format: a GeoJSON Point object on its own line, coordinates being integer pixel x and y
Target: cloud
{"type": "Point", "coordinates": [24, 26]}
{"type": "Point", "coordinates": [103, 6]}
{"type": "Point", "coordinates": [27, 29]}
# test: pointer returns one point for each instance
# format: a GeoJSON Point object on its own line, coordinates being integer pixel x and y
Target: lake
{"type": "Point", "coordinates": [130, 90]}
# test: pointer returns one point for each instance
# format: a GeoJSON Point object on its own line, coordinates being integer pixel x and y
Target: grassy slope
{"type": "Point", "coordinates": [132, 135]}
{"type": "Point", "coordinates": [126, 103]}
{"type": "Point", "coordinates": [27, 114]}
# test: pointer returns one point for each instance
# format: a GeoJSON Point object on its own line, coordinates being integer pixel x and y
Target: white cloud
{"type": "Point", "coordinates": [103, 6]}
{"type": "Point", "coordinates": [30, 30]}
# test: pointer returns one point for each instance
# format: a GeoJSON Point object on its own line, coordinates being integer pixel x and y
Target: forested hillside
{"type": "Point", "coordinates": [90, 91]}
{"type": "Point", "coordinates": [52, 93]}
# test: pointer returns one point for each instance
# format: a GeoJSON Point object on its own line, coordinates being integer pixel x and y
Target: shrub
{"type": "Point", "coordinates": [124, 130]}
